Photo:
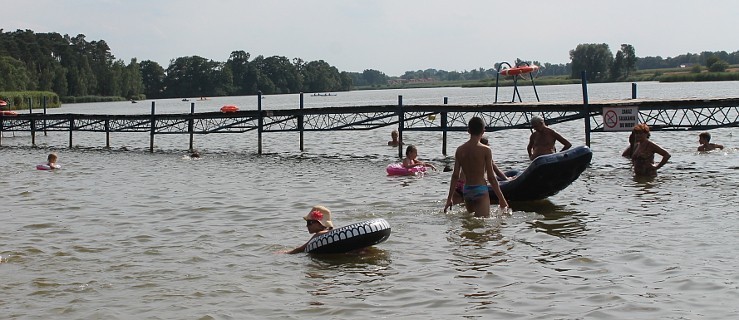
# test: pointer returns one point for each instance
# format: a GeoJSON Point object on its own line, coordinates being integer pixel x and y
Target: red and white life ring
{"type": "Point", "coordinates": [519, 70]}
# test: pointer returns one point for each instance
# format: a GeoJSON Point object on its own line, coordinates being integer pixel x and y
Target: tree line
{"type": "Point", "coordinates": [75, 67]}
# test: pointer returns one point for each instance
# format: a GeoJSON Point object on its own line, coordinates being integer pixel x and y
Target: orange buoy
{"type": "Point", "coordinates": [229, 108]}
{"type": "Point", "coordinates": [519, 70]}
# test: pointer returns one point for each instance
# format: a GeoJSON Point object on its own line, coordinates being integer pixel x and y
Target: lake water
{"type": "Point", "coordinates": [127, 234]}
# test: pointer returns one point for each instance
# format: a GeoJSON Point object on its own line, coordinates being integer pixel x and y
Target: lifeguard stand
{"type": "Point", "coordinates": [520, 69]}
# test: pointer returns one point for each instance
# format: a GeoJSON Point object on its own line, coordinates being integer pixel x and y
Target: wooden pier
{"type": "Point", "coordinates": [680, 114]}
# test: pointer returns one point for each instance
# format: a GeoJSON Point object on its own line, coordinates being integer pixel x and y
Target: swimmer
{"type": "Point", "coordinates": [642, 159]}
{"type": "Point", "coordinates": [704, 138]}
{"type": "Point", "coordinates": [51, 161]}
{"type": "Point", "coordinates": [394, 142]}
{"type": "Point", "coordinates": [318, 222]}
{"type": "Point", "coordinates": [410, 161]}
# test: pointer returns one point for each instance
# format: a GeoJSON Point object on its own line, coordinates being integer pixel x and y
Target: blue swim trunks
{"type": "Point", "coordinates": [474, 192]}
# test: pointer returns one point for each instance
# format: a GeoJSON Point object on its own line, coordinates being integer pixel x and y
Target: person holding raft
{"type": "Point", "coordinates": [476, 161]}
{"type": "Point", "coordinates": [318, 222]}
{"type": "Point", "coordinates": [543, 138]}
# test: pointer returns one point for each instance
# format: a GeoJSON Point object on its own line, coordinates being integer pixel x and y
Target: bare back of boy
{"type": "Point", "coordinates": [475, 160]}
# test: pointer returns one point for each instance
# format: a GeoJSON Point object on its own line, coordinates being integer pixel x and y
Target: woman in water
{"type": "Point", "coordinates": [642, 157]}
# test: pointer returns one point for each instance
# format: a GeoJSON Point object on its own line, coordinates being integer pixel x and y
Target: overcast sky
{"type": "Point", "coordinates": [392, 36]}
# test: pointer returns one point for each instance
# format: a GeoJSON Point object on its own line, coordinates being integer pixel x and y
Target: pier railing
{"type": "Point", "coordinates": [680, 114]}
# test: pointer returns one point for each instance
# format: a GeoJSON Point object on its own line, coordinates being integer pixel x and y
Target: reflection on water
{"type": "Point", "coordinates": [354, 275]}
{"type": "Point", "coordinates": [555, 220]}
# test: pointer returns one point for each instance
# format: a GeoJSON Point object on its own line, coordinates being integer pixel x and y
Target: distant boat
{"type": "Point", "coordinates": [134, 101]}
{"type": "Point", "coordinates": [185, 99]}
{"type": "Point", "coordinates": [323, 94]}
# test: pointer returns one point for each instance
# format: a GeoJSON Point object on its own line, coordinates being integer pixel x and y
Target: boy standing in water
{"type": "Point", "coordinates": [476, 160]}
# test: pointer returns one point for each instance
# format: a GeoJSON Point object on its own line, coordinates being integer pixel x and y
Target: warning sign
{"type": "Point", "coordinates": [620, 118]}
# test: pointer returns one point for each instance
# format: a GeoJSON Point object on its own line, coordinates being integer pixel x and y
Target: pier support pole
{"type": "Point", "coordinates": [633, 90]}
{"type": "Point", "coordinates": [71, 129]}
{"type": "Point", "coordinates": [33, 122]}
{"type": "Point", "coordinates": [586, 106]}
{"type": "Point", "coordinates": [44, 104]}
{"type": "Point", "coordinates": [444, 128]}
{"type": "Point", "coordinates": [401, 123]}
{"type": "Point", "coordinates": [191, 126]}
{"type": "Point", "coordinates": [153, 128]}
{"type": "Point", "coordinates": [107, 133]}
{"type": "Point", "coordinates": [300, 122]}
{"type": "Point", "coordinates": [260, 122]}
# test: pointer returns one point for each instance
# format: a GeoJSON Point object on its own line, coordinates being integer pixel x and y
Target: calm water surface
{"type": "Point", "coordinates": [125, 234]}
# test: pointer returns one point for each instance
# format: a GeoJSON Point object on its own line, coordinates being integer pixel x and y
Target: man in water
{"type": "Point", "coordinates": [542, 139]}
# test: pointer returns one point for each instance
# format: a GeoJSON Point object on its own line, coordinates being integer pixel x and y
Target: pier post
{"type": "Point", "coordinates": [260, 122]}
{"type": "Point", "coordinates": [300, 122]}
{"type": "Point", "coordinates": [586, 106]}
{"type": "Point", "coordinates": [444, 128]}
{"type": "Point", "coordinates": [107, 133]}
{"type": "Point", "coordinates": [44, 104]}
{"type": "Point", "coordinates": [401, 123]}
{"type": "Point", "coordinates": [71, 129]}
{"type": "Point", "coordinates": [153, 128]}
{"type": "Point", "coordinates": [633, 90]}
{"type": "Point", "coordinates": [191, 125]}
{"type": "Point", "coordinates": [33, 122]}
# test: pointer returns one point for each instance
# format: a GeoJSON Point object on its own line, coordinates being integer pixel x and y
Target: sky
{"type": "Point", "coordinates": [391, 36]}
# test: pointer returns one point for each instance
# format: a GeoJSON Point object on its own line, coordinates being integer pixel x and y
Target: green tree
{"type": "Point", "coordinates": [194, 76]}
{"type": "Point", "coordinates": [319, 76]}
{"type": "Point", "coordinates": [243, 74]}
{"type": "Point", "coordinates": [282, 73]}
{"type": "Point", "coordinates": [374, 77]}
{"type": "Point", "coordinates": [629, 59]}
{"type": "Point", "coordinates": [152, 77]}
{"type": "Point", "coordinates": [718, 66]}
{"type": "Point", "coordinates": [594, 59]}
{"type": "Point", "coordinates": [13, 75]}
{"type": "Point", "coordinates": [618, 66]}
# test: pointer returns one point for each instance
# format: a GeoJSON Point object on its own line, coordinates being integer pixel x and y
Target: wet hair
{"type": "Point", "coordinates": [706, 136]}
{"type": "Point", "coordinates": [51, 157]}
{"type": "Point", "coordinates": [641, 128]}
{"type": "Point", "coordinates": [476, 126]}
{"type": "Point", "coordinates": [394, 133]}
{"type": "Point", "coordinates": [484, 141]}
{"type": "Point", "coordinates": [409, 149]}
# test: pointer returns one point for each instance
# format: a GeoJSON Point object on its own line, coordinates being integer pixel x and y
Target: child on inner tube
{"type": "Point", "coordinates": [318, 221]}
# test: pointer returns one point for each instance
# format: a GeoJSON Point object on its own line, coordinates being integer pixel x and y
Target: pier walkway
{"type": "Point", "coordinates": [660, 115]}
